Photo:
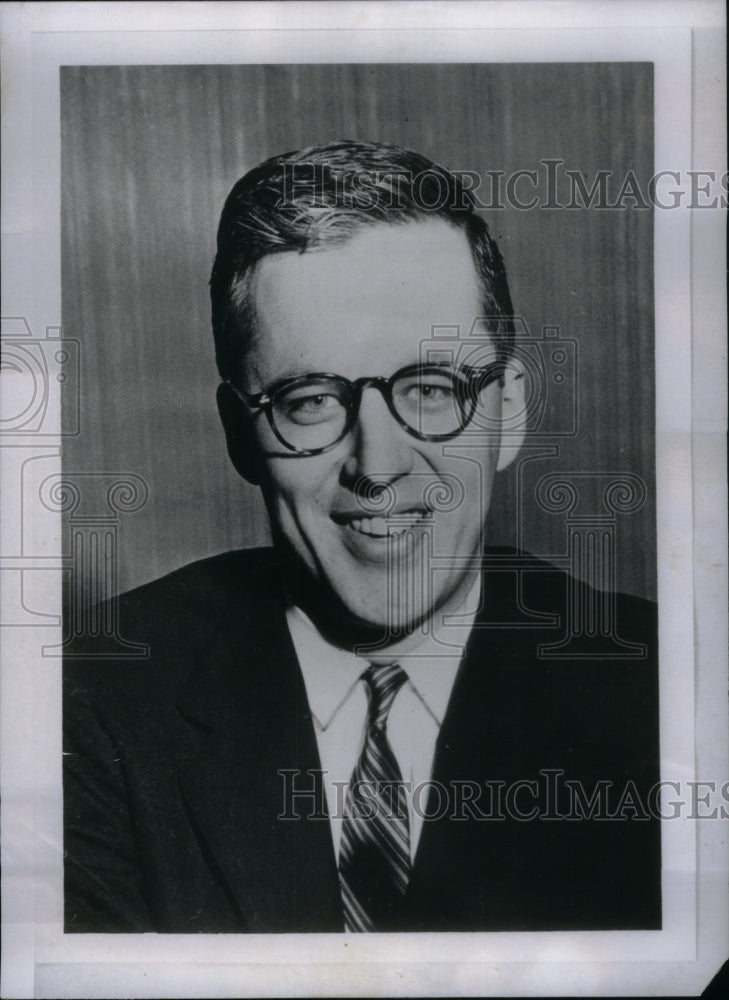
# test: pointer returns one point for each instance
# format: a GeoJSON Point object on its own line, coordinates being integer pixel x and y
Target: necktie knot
{"type": "Point", "coordinates": [383, 682]}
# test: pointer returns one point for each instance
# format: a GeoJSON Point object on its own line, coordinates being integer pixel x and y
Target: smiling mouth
{"type": "Point", "coordinates": [384, 527]}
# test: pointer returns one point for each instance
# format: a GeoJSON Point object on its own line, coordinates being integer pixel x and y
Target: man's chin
{"type": "Point", "coordinates": [351, 624]}
{"type": "Point", "coordinates": [359, 607]}
{"type": "Point", "coordinates": [384, 621]}
{"type": "Point", "coordinates": [347, 620]}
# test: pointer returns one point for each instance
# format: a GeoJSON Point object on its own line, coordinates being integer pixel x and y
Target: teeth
{"type": "Point", "coordinates": [371, 525]}
{"type": "Point", "coordinates": [379, 525]}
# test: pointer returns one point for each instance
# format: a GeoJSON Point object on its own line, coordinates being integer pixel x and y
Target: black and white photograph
{"type": "Point", "coordinates": [369, 355]}
{"type": "Point", "coordinates": [358, 474]}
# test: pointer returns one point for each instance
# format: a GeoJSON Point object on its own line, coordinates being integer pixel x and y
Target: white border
{"type": "Point", "coordinates": [42, 961]}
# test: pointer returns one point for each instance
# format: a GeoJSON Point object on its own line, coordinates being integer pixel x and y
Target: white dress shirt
{"type": "Point", "coordinates": [338, 702]}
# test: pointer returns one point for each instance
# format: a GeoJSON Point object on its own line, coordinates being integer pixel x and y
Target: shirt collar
{"type": "Point", "coordinates": [331, 674]}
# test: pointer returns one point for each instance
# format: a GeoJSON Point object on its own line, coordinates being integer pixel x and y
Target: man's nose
{"type": "Point", "coordinates": [381, 449]}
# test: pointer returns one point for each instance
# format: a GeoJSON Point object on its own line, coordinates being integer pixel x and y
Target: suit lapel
{"type": "Point", "coordinates": [484, 737]}
{"type": "Point", "coordinates": [249, 696]}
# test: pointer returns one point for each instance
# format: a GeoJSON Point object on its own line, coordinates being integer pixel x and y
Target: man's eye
{"type": "Point", "coordinates": [311, 408]}
{"type": "Point", "coordinates": [428, 393]}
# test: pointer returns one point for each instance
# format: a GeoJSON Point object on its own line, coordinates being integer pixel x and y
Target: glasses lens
{"type": "Point", "coordinates": [430, 401]}
{"type": "Point", "coordinates": [312, 413]}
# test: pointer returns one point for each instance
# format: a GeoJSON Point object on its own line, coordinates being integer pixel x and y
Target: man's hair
{"type": "Point", "coordinates": [321, 197]}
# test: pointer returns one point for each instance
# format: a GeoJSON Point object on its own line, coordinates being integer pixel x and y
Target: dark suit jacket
{"type": "Point", "coordinates": [173, 792]}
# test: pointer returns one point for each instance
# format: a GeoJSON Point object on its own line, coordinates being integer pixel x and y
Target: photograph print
{"type": "Point", "coordinates": [360, 631]}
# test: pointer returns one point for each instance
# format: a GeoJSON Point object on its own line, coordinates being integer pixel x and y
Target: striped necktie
{"type": "Point", "coordinates": [374, 852]}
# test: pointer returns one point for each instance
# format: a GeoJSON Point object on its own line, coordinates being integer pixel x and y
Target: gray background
{"type": "Point", "coordinates": [148, 156]}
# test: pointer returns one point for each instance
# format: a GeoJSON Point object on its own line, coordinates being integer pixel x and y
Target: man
{"type": "Point", "coordinates": [358, 730]}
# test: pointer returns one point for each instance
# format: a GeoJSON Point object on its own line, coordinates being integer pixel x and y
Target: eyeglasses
{"type": "Point", "coordinates": [309, 414]}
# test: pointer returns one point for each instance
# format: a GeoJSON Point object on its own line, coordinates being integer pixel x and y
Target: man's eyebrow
{"type": "Point", "coordinates": [298, 372]}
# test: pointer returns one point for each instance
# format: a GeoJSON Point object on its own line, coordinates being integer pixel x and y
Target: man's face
{"type": "Point", "coordinates": [365, 308]}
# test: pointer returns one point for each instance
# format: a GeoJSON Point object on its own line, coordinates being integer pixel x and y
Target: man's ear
{"type": "Point", "coordinates": [513, 414]}
{"type": "Point", "coordinates": [239, 435]}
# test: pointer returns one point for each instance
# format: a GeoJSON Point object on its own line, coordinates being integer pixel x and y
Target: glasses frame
{"type": "Point", "coordinates": [473, 380]}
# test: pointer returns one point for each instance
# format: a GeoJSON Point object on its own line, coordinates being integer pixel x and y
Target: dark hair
{"type": "Point", "coordinates": [324, 195]}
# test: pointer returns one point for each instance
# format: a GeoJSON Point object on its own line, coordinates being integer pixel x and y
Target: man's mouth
{"type": "Point", "coordinates": [382, 527]}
